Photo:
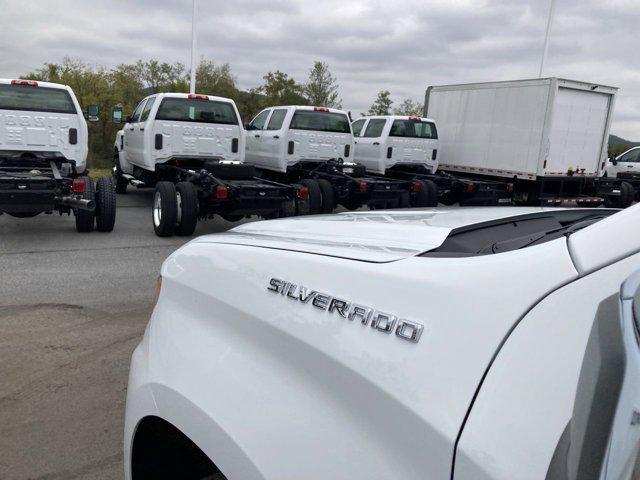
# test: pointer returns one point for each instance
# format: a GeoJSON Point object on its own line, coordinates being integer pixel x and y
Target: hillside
{"type": "Point", "coordinates": [615, 141]}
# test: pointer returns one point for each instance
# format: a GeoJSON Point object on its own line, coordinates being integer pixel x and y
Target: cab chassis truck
{"type": "Point", "coordinates": [190, 147]}
{"type": "Point", "coordinates": [547, 137]}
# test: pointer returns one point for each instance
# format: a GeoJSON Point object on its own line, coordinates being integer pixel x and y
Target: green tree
{"type": "Point", "coordinates": [322, 88]}
{"type": "Point", "coordinates": [216, 80]}
{"type": "Point", "coordinates": [382, 104]}
{"type": "Point", "coordinates": [408, 107]}
{"type": "Point", "coordinates": [280, 89]}
{"type": "Point", "coordinates": [162, 77]}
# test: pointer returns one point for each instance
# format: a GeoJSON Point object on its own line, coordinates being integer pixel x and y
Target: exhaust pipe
{"type": "Point", "coordinates": [78, 203]}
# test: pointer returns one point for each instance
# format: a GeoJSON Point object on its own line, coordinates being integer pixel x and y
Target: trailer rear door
{"type": "Point", "coordinates": [578, 126]}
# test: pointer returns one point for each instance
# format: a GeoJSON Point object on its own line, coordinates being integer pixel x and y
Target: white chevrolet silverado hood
{"type": "Point", "coordinates": [374, 236]}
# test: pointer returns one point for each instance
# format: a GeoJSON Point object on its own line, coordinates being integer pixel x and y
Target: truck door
{"type": "Point", "coordinates": [273, 137]}
{"type": "Point", "coordinates": [132, 139]}
{"type": "Point", "coordinates": [139, 135]}
{"type": "Point", "coordinates": [627, 164]}
{"type": "Point", "coordinates": [369, 147]}
{"type": "Point", "coordinates": [254, 153]}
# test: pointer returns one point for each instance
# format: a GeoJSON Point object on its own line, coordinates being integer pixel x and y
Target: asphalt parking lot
{"type": "Point", "coordinates": [72, 308]}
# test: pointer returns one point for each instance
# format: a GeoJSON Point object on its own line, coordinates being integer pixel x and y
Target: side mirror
{"type": "Point", "coordinates": [250, 127]}
{"type": "Point", "coordinates": [614, 161]}
{"type": "Point", "coordinates": [116, 114]}
{"type": "Point", "coordinates": [93, 113]}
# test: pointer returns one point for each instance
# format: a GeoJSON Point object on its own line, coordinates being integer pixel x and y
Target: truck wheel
{"type": "Point", "coordinates": [85, 219]}
{"type": "Point", "coordinates": [427, 195]}
{"type": "Point", "coordinates": [405, 200]}
{"type": "Point", "coordinates": [328, 196]}
{"type": "Point", "coordinates": [116, 172]}
{"type": "Point", "coordinates": [187, 208]}
{"type": "Point", "coordinates": [626, 197]}
{"type": "Point", "coordinates": [105, 204]}
{"type": "Point", "coordinates": [288, 209]}
{"type": "Point", "coordinates": [165, 209]}
{"type": "Point", "coordinates": [302, 207]}
{"type": "Point", "coordinates": [315, 195]}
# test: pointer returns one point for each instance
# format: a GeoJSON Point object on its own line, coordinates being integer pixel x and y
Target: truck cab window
{"type": "Point", "coordinates": [277, 119]}
{"type": "Point", "coordinates": [259, 122]}
{"type": "Point", "coordinates": [375, 127]}
{"type": "Point", "coordinates": [147, 109]}
{"type": "Point", "coordinates": [357, 126]}
{"type": "Point", "coordinates": [136, 113]}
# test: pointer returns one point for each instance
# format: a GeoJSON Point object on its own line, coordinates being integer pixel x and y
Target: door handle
{"type": "Point", "coordinates": [276, 136]}
{"type": "Point", "coordinates": [355, 141]}
{"type": "Point", "coordinates": [131, 129]}
{"type": "Point", "coordinates": [376, 143]}
{"type": "Point", "coordinates": [630, 166]}
{"type": "Point", "coordinates": [142, 129]}
{"type": "Point", "coordinates": [257, 136]}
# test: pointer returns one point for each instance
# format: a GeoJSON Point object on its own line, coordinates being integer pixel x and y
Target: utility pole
{"type": "Point", "coordinates": [192, 83]}
{"type": "Point", "coordinates": [546, 37]}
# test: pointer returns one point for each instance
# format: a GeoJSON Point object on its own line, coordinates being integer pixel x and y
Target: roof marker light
{"type": "Point", "coordinates": [320, 109]}
{"type": "Point", "coordinates": [193, 96]}
{"type": "Point", "coordinates": [30, 83]}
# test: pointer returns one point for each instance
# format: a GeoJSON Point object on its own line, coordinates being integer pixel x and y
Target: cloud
{"type": "Point", "coordinates": [402, 46]}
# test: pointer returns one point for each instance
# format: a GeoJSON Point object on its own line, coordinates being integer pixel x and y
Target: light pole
{"type": "Point", "coordinates": [546, 37]}
{"type": "Point", "coordinates": [192, 83]}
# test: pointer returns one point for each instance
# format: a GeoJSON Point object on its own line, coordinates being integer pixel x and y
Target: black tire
{"type": "Point", "coordinates": [404, 201]}
{"type": "Point", "coordinates": [288, 209]}
{"type": "Point", "coordinates": [105, 204]}
{"type": "Point", "coordinates": [427, 195]}
{"type": "Point", "coordinates": [164, 212]}
{"type": "Point", "coordinates": [315, 195]}
{"type": "Point", "coordinates": [186, 208]}
{"type": "Point", "coordinates": [24, 214]}
{"type": "Point", "coordinates": [625, 199]}
{"type": "Point", "coordinates": [85, 220]}
{"type": "Point", "coordinates": [328, 196]}
{"type": "Point", "coordinates": [302, 207]}
{"type": "Point", "coordinates": [116, 172]}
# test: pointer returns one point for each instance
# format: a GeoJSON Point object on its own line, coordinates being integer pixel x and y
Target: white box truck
{"type": "Point", "coordinates": [548, 136]}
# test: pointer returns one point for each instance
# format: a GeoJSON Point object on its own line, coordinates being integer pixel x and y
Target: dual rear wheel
{"type": "Point", "coordinates": [104, 216]}
{"type": "Point", "coordinates": [175, 209]}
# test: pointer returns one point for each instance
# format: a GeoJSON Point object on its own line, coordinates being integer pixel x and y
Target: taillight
{"type": "Point", "coordinates": [158, 141]}
{"type": "Point", "coordinates": [509, 187]}
{"type": "Point", "coordinates": [222, 192]}
{"type": "Point", "coordinates": [73, 136]}
{"type": "Point", "coordinates": [234, 145]}
{"type": "Point", "coordinates": [470, 187]}
{"type": "Point", "coordinates": [415, 186]}
{"type": "Point", "coordinates": [30, 83]}
{"type": "Point", "coordinates": [303, 193]}
{"type": "Point", "coordinates": [193, 96]}
{"type": "Point", "coordinates": [544, 164]}
{"type": "Point", "coordinates": [362, 187]}
{"type": "Point", "coordinates": [320, 109]}
{"type": "Point", "coordinates": [434, 154]}
{"type": "Point", "coordinates": [347, 150]}
{"type": "Point", "coordinates": [291, 147]}
{"type": "Point", "coordinates": [78, 185]}
{"type": "Point", "coordinates": [389, 152]}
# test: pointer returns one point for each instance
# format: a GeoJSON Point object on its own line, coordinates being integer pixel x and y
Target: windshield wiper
{"type": "Point", "coordinates": [527, 240]}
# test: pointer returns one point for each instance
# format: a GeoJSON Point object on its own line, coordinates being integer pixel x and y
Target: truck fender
{"type": "Point", "coordinates": [125, 166]}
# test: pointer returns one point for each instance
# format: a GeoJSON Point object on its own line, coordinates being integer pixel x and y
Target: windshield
{"type": "Point", "coordinates": [198, 111]}
{"type": "Point", "coordinates": [413, 129]}
{"type": "Point", "coordinates": [35, 99]}
{"type": "Point", "coordinates": [320, 121]}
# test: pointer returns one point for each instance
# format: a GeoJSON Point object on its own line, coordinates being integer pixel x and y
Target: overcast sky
{"type": "Point", "coordinates": [370, 45]}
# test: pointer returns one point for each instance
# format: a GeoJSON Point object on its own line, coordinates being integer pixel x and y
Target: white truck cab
{"type": "Point", "coordinates": [382, 142]}
{"type": "Point", "coordinates": [280, 137]}
{"type": "Point", "coordinates": [42, 118]}
{"type": "Point", "coordinates": [625, 163]}
{"type": "Point", "coordinates": [168, 126]}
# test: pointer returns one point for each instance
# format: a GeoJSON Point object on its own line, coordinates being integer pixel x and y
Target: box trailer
{"type": "Point", "coordinates": [548, 136]}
